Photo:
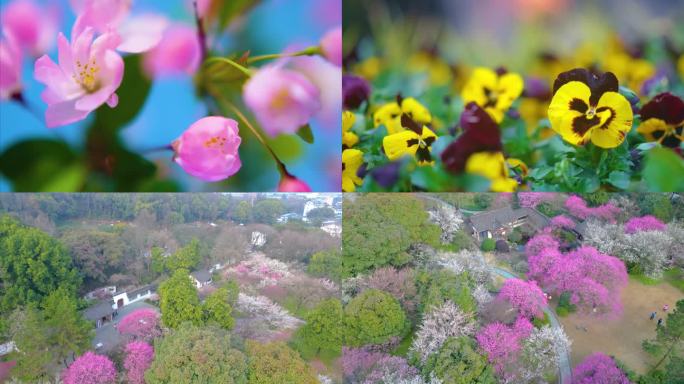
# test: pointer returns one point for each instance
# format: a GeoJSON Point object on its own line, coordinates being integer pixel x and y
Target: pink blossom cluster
{"type": "Point", "coordinates": [139, 356]}
{"type": "Point", "coordinates": [598, 368]}
{"type": "Point", "coordinates": [594, 280]}
{"type": "Point", "coordinates": [502, 343]}
{"type": "Point", "coordinates": [141, 324]}
{"type": "Point", "coordinates": [532, 199]}
{"type": "Point", "coordinates": [90, 368]}
{"type": "Point", "coordinates": [540, 242]}
{"type": "Point", "coordinates": [579, 208]}
{"type": "Point", "coordinates": [361, 365]}
{"type": "Point", "coordinates": [562, 221]}
{"type": "Point", "coordinates": [644, 224]}
{"type": "Point", "coordinates": [263, 269]}
{"type": "Point", "coordinates": [525, 296]}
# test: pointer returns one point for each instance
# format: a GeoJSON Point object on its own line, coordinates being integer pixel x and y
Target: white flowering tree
{"type": "Point", "coordinates": [261, 309]}
{"type": "Point", "coordinates": [471, 261]}
{"type": "Point", "coordinates": [445, 321]}
{"type": "Point", "coordinates": [541, 354]}
{"type": "Point", "coordinates": [449, 220]}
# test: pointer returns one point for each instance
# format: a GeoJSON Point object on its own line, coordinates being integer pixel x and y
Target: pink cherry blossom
{"type": "Point", "coordinates": [88, 75]}
{"type": "Point", "coordinates": [598, 368]}
{"type": "Point", "coordinates": [34, 27]}
{"type": "Point", "coordinates": [281, 99]}
{"type": "Point", "coordinates": [502, 343]}
{"type": "Point", "coordinates": [209, 149]}
{"type": "Point", "coordinates": [331, 46]}
{"type": "Point", "coordinates": [327, 78]}
{"type": "Point", "coordinates": [643, 224]}
{"type": "Point", "coordinates": [526, 296]}
{"type": "Point", "coordinates": [562, 221]}
{"type": "Point", "coordinates": [532, 199]}
{"type": "Point", "coordinates": [292, 184]}
{"type": "Point", "coordinates": [10, 67]}
{"type": "Point", "coordinates": [140, 324]}
{"type": "Point", "coordinates": [178, 52]}
{"type": "Point", "coordinates": [578, 208]}
{"type": "Point", "coordinates": [139, 356]}
{"type": "Point", "coordinates": [90, 368]}
{"type": "Point", "coordinates": [138, 33]}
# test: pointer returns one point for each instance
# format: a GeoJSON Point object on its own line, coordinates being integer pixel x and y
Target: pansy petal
{"type": "Point", "coordinates": [666, 107]}
{"type": "Point", "coordinates": [474, 90]}
{"type": "Point", "coordinates": [510, 88]}
{"type": "Point", "coordinates": [400, 144]}
{"type": "Point", "coordinates": [613, 131]}
{"type": "Point", "coordinates": [415, 110]}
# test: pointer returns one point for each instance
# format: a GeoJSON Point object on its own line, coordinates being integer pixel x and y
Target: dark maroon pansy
{"type": "Point", "coordinates": [480, 133]}
{"type": "Point", "coordinates": [598, 85]}
{"type": "Point", "coordinates": [666, 107]}
{"type": "Point", "coordinates": [355, 90]}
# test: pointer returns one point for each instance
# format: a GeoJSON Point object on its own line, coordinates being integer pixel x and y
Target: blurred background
{"type": "Point", "coordinates": [172, 105]}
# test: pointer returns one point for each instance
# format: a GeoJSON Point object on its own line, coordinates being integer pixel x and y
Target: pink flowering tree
{"type": "Point", "coordinates": [532, 199]}
{"type": "Point", "coordinates": [598, 368]}
{"type": "Point", "coordinates": [139, 356]}
{"type": "Point", "coordinates": [141, 324]}
{"type": "Point", "coordinates": [90, 368]}
{"type": "Point", "coordinates": [562, 221]}
{"type": "Point", "coordinates": [579, 208]}
{"type": "Point", "coordinates": [593, 279]}
{"type": "Point", "coordinates": [525, 296]}
{"type": "Point", "coordinates": [229, 96]}
{"type": "Point", "coordinates": [644, 224]}
{"type": "Point", "coordinates": [361, 365]}
{"type": "Point", "coordinates": [503, 343]}
{"type": "Point", "coordinates": [540, 242]}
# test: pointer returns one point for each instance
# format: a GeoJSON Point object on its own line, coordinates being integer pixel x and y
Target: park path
{"type": "Point", "coordinates": [564, 367]}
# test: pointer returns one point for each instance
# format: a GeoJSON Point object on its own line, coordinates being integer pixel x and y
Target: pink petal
{"type": "Point", "coordinates": [141, 33]}
{"type": "Point", "coordinates": [113, 100]}
{"type": "Point", "coordinates": [63, 114]}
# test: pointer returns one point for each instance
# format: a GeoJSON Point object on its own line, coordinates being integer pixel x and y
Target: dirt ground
{"type": "Point", "coordinates": [622, 337]}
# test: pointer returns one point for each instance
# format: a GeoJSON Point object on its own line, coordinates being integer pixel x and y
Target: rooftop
{"type": "Point", "coordinates": [202, 275]}
{"type": "Point", "coordinates": [498, 218]}
{"type": "Point", "coordinates": [98, 311]}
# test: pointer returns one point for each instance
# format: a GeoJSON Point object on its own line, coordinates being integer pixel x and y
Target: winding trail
{"type": "Point", "coordinates": [564, 367]}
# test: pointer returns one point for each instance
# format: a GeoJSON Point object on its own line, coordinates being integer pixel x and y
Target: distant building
{"type": "Point", "coordinates": [499, 223]}
{"type": "Point", "coordinates": [122, 299]}
{"type": "Point", "coordinates": [100, 313]}
{"type": "Point", "coordinates": [332, 228]}
{"type": "Point", "coordinates": [200, 278]}
{"type": "Point", "coordinates": [289, 216]}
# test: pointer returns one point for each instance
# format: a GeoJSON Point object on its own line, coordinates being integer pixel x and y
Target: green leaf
{"type": "Point", "coordinates": [664, 171]}
{"type": "Point", "coordinates": [42, 166]}
{"type": "Point", "coordinates": [231, 9]}
{"type": "Point", "coordinates": [306, 134]}
{"type": "Point", "coordinates": [223, 71]}
{"type": "Point", "coordinates": [619, 179]}
{"type": "Point", "coordinates": [132, 95]}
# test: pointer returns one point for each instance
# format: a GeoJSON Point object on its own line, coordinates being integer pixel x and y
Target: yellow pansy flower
{"type": "Point", "coordinates": [437, 69]}
{"type": "Point", "coordinates": [349, 139]}
{"type": "Point", "coordinates": [369, 68]}
{"type": "Point", "coordinates": [492, 166]}
{"type": "Point", "coordinates": [352, 159]}
{"type": "Point", "coordinates": [415, 141]}
{"type": "Point", "coordinates": [519, 165]}
{"type": "Point", "coordinates": [493, 92]}
{"type": "Point", "coordinates": [680, 65]}
{"type": "Point", "coordinates": [389, 114]}
{"type": "Point", "coordinates": [587, 108]}
{"type": "Point", "coordinates": [662, 120]}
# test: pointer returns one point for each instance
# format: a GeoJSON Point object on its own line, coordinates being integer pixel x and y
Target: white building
{"type": "Point", "coordinates": [200, 279]}
{"type": "Point", "coordinates": [332, 228]}
{"type": "Point", "coordinates": [122, 299]}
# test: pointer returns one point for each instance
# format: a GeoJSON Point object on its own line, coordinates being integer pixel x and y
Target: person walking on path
{"type": "Point", "coordinates": [665, 307]}
{"type": "Point", "coordinates": [653, 315]}
{"type": "Point", "coordinates": [660, 321]}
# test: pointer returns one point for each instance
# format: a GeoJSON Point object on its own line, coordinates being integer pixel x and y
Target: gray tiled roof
{"type": "Point", "coordinates": [498, 218]}
{"type": "Point", "coordinates": [98, 311]}
{"type": "Point", "coordinates": [202, 275]}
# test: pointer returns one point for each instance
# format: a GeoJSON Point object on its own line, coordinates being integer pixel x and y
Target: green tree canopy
{"type": "Point", "coordinates": [178, 300]}
{"type": "Point", "coordinates": [192, 355]}
{"type": "Point", "coordinates": [187, 257]}
{"type": "Point", "coordinates": [267, 211]}
{"type": "Point", "coordinates": [242, 212]}
{"type": "Point", "coordinates": [70, 333]}
{"type": "Point", "coordinates": [318, 215]}
{"type": "Point", "coordinates": [435, 287]}
{"type": "Point", "coordinates": [32, 265]}
{"type": "Point", "coordinates": [458, 362]}
{"type": "Point", "coordinates": [323, 330]}
{"type": "Point", "coordinates": [326, 264]}
{"type": "Point", "coordinates": [217, 309]}
{"type": "Point", "coordinates": [379, 229]}
{"type": "Point", "coordinates": [668, 346]}
{"type": "Point", "coordinates": [373, 317]}
{"type": "Point", "coordinates": [29, 331]}
{"type": "Point", "coordinates": [276, 363]}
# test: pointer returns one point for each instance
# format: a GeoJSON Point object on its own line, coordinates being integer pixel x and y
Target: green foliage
{"type": "Point", "coordinates": [157, 260]}
{"type": "Point", "coordinates": [186, 257]}
{"type": "Point", "coordinates": [196, 355]}
{"type": "Point", "coordinates": [178, 300]}
{"type": "Point", "coordinates": [29, 331]}
{"type": "Point", "coordinates": [538, 323]}
{"type": "Point", "coordinates": [70, 333]}
{"type": "Point", "coordinates": [669, 342]}
{"type": "Point", "coordinates": [242, 212]}
{"type": "Point", "coordinates": [488, 245]}
{"type": "Point", "coordinates": [458, 362]}
{"type": "Point", "coordinates": [663, 170]}
{"type": "Point", "coordinates": [233, 291]}
{"type": "Point", "coordinates": [548, 209]}
{"type": "Point", "coordinates": [276, 363]}
{"type": "Point", "coordinates": [656, 204]}
{"type": "Point", "coordinates": [318, 215]}
{"type": "Point", "coordinates": [462, 241]}
{"type": "Point", "coordinates": [323, 330]}
{"type": "Point", "coordinates": [217, 310]}
{"type": "Point", "coordinates": [267, 211]}
{"type": "Point", "coordinates": [379, 229]}
{"type": "Point", "coordinates": [483, 200]}
{"type": "Point", "coordinates": [565, 305]}
{"type": "Point", "coordinates": [597, 198]}
{"type": "Point", "coordinates": [326, 264]}
{"type": "Point", "coordinates": [373, 317]}
{"type": "Point", "coordinates": [435, 287]}
{"type": "Point", "coordinates": [32, 265]}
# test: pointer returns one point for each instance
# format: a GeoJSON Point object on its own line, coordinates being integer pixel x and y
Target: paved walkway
{"type": "Point", "coordinates": [108, 335]}
{"type": "Point", "coordinates": [565, 370]}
